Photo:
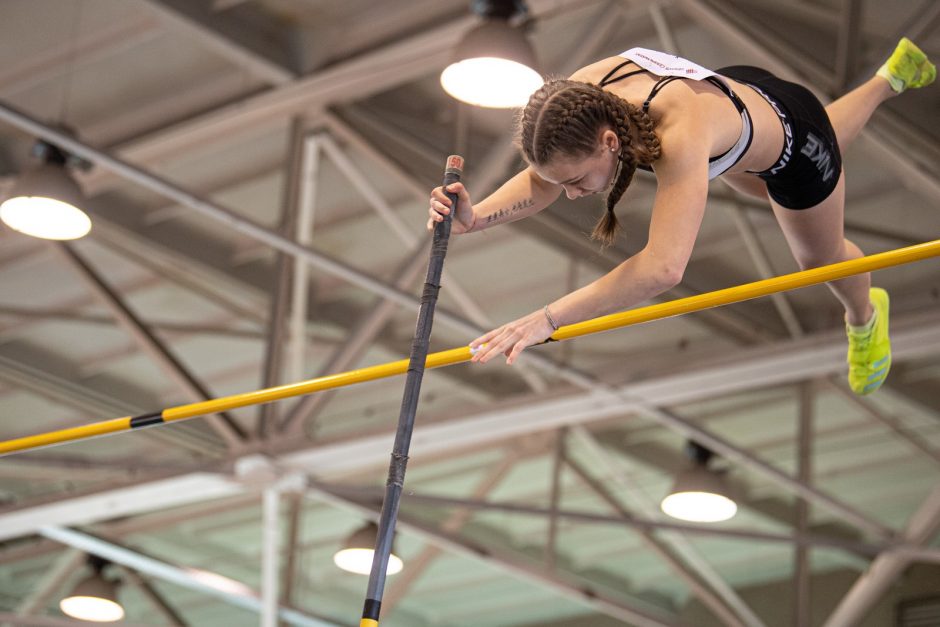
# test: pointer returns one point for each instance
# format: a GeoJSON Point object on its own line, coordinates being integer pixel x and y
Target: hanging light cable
{"type": "Point", "coordinates": [494, 64]}
{"type": "Point", "coordinates": [45, 200]}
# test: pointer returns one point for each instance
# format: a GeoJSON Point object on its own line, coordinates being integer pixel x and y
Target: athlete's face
{"type": "Point", "coordinates": [583, 176]}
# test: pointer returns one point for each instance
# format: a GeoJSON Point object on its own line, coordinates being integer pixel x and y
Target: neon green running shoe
{"type": "Point", "coordinates": [870, 350]}
{"type": "Point", "coordinates": [907, 67]}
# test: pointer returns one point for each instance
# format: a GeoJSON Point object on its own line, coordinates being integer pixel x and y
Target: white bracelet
{"type": "Point", "coordinates": [551, 320]}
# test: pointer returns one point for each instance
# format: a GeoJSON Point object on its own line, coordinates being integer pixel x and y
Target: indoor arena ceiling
{"type": "Point", "coordinates": [527, 485]}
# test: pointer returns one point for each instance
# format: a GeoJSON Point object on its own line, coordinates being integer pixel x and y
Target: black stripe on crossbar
{"type": "Point", "coordinates": [372, 609]}
{"type": "Point", "coordinates": [146, 420]}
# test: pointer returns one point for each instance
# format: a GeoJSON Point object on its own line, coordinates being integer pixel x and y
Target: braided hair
{"type": "Point", "coordinates": [566, 118]}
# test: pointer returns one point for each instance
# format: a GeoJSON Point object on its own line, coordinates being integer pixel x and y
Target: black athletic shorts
{"type": "Point", "coordinates": [810, 163]}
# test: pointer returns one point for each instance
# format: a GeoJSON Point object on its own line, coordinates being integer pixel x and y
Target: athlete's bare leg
{"type": "Point", "coordinates": [815, 237]}
{"type": "Point", "coordinates": [851, 112]}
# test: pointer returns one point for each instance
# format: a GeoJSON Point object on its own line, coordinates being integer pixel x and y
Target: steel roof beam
{"type": "Point", "coordinates": [56, 574]}
{"type": "Point", "coordinates": [370, 73]}
{"type": "Point", "coordinates": [349, 80]}
{"type": "Point", "coordinates": [253, 42]}
{"type": "Point", "coordinates": [917, 442]}
{"type": "Point", "coordinates": [709, 597]}
{"type": "Point", "coordinates": [223, 424]}
{"type": "Point", "coordinates": [285, 265]}
{"type": "Point", "coordinates": [156, 600]}
{"type": "Point", "coordinates": [417, 566]}
{"type": "Point", "coordinates": [67, 54]}
{"type": "Point", "coordinates": [371, 496]}
{"type": "Point", "coordinates": [21, 370]}
{"type": "Point", "coordinates": [292, 547]}
{"type": "Point", "coordinates": [887, 567]}
{"type": "Point", "coordinates": [691, 560]}
{"type": "Point", "coordinates": [565, 586]}
{"type": "Point", "coordinates": [847, 45]}
{"type": "Point", "coordinates": [802, 565]}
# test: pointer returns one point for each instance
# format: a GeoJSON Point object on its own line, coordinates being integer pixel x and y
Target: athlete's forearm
{"type": "Point", "coordinates": [519, 197]}
{"type": "Point", "coordinates": [637, 279]}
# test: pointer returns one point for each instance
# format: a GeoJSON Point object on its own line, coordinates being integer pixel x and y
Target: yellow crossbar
{"type": "Point", "coordinates": [631, 317]}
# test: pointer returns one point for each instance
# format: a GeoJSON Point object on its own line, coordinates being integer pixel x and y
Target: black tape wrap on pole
{"type": "Point", "coordinates": [409, 404]}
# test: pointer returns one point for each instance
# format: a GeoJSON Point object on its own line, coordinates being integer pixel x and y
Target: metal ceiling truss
{"type": "Point", "coordinates": [607, 467]}
{"type": "Point", "coordinates": [912, 551]}
{"type": "Point", "coordinates": [156, 600]}
{"type": "Point", "coordinates": [255, 42]}
{"type": "Point", "coordinates": [813, 356]}
{"type": "Point", "coordinates": [518, 567]}
{"type": "Point", "coordinates": [170, 492]}
{"type": "Point", "coordinates": [284, 268]}
{"type": "Point", "coordinates": [378, 70]}
{"type": "Point", "coordinates": [413, 58]}
{"type": "Point", "coordinates": [224, 425]}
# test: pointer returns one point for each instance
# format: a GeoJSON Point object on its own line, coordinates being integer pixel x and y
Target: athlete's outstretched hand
{"type": "Point", "coordinates": [512, 338]}
{"type": "Point", "coordinates": [463, 219]}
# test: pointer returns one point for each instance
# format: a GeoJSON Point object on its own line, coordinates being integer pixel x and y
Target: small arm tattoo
{"type": "Point", "coordinates": [506, 212]}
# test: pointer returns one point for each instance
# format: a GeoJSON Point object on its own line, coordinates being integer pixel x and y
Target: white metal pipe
{"type": "Point", "coordinates": [887, 567]}
{"type": "Point", "coordinates": [803, 566]}
{"type": "Point", "coordinates": [270, 556]}
{"type": "Point", "coordinates": [310, 167]}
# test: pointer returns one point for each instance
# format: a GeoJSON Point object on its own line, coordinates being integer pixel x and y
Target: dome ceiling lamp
{"type": "Point", "coordinates": [94, 598]}
{"type": "Point", "coordinates": [494, 64]}
{"type": "Point", "coordinates": [700, 493]}
{"type": "Point", "coordinates": [45, 201]}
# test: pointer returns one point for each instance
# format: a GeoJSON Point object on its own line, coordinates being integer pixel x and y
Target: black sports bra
{"type": "Point", "coordinates": [716, 165]}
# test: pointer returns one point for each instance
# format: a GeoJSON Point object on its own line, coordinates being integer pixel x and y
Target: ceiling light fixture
{"type": "Point", "coordinates": [94, 598]}
{"type": "Point", "coordinates": [493, 65]}
{"type": "Point", "coordinates": [359, 549]}
{"type": "Point", "coordinates": [45, 200]}
{"type": "Point", "coordinates": [700, 493]}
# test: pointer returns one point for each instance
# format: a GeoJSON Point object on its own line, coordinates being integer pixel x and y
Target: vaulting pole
{"type": "Point", "coordinates": [747, 291]}
{"type": "Point", "coordinates": [409, 405]}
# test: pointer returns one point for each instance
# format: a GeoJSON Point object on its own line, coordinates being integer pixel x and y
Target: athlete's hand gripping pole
{"type": "Point", "coordinates": [409, 404]}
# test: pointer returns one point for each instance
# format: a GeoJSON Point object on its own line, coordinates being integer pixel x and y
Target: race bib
{"type": "Point", "coordinates": [662, 64]}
